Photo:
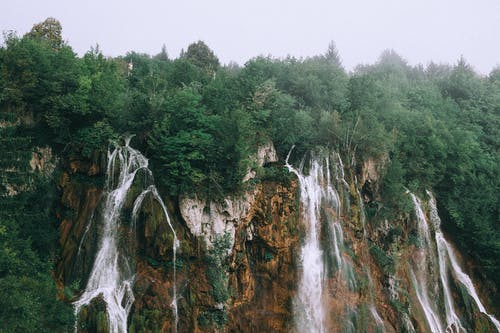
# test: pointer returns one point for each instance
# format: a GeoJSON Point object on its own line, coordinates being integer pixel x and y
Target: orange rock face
{"type": "Point", "coordinates": [250, 287]}
{"type": "Point", "coordinates": [262, 272]}
{"type": "Point", "coordinates": [78, 202]}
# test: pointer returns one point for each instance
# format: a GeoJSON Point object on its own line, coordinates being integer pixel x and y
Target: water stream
{"type": "Point", "coordinates": [432, 273]}
{"type": "Point", "coordinates": [446, 253]}
{"type": "Point", "coordinates": [317, 195]}
{"type": "Point", "coordinates": [424, 267]}
{"type": "Point", "coordinates": [112, 274]}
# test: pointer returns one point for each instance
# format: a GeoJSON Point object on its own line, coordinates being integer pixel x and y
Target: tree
{"type": "Point", "coordinates": [332, 55]}
{"type": "Point", "coordinates": [163, 55]}
{"type": "Point", "coordinates": [181, 141]}
{"type": "Point", "coordinates": [202, 56]}
{"type": "Point", "coordinates": [391, 58]}
{"type": "Point", "coordinates": [463, 84]}
{"type": "Point", "coordinates": [49, 30]}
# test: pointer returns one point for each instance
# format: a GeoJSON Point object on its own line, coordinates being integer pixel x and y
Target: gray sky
{"type": "Point", "coordinates": [419, 30]}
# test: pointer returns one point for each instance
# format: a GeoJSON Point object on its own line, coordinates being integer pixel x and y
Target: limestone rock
{"type": "Point", "coordinates": [266, 153]}
{"type": "Point", "coordinates": [208, 219]}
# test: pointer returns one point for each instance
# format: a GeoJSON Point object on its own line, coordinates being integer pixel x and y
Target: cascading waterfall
{"type": "Point", "coordinates": [453, 323]}
{"type": "Point", "coordinates": [310, 293]}
{"type": "Point", "coordinates": [345, 269]}
{"type": "Point", "coordinates": [424, 267]}
{"type": "Point", "coordinates": [112, 275]}
{"type": "Point", "coordinates": [446, 252]}
{"type": "Point", "coordinates": [317, 193]}
{"type": "Point", "coordinates": [467, 283]}
{"type": "Point", "coordinates": [427, 267]}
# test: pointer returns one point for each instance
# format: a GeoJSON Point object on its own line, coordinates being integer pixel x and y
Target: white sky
{"type": "Point", "coordinates": [419, 30]}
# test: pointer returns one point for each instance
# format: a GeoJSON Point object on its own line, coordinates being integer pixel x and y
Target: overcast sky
{"type": "Point", "coordinates": [237, 30]}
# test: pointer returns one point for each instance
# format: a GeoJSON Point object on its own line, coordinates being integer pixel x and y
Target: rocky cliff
{"type": "Point", "coordinates": [238, 265]}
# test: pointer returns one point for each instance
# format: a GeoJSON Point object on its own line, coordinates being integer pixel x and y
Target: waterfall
{"type": "Point", "coordinates": [452, 319]}
{"type": "Point", "coordinates": [310, 293]}
{"type": "Point", "coordinates": [467, 283]}
{"type": "Point", "coordinates": [446, 252]}
{"type": "Point", "coordinates": [317, 194]}
{"type": "Point", "coordinates": [112, 274]}
{"type": "Point", "coordinates": [426, 268]}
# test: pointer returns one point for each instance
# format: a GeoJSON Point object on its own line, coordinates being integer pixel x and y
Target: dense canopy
{"type": "Point", "coordinates": [434, 127]}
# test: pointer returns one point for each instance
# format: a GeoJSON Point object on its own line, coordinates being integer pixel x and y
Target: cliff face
{"type": "Point", "coordinates": [251, 289]}
{"type": "Point", "coordinates": [263, 264]}
{"type": "Point", "coordinates": [81, 185]}
{"type": "Point", "coordinates": [238, 265]}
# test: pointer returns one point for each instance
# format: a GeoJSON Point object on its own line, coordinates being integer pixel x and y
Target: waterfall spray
{"type": "Point", "coordinates": [424, 266]}
{"type": "Point", "coordinates": [446, 252]}
{"type": "Point", "coordinates": [317, 193]}
{"type": "Point", "coordinates": [426, 273]}
{"type": "Point", "coordinates": [310, 294]}
{"type": "Point", "coordinates": [112, 274]}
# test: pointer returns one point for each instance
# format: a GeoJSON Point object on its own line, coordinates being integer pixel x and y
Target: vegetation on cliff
{"type": "Point", "coordinates": [433, 127]}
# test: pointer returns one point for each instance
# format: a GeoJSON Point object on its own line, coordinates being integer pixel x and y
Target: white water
{"type": "Point", "coordinates": [466, 281]}
{"type": "Point", "coordinates": [112, 275]}
{"type": "Point", "coordinates": [431, 315]}
{"type": "Point", "coordinates": [332, 199]}
{"type": "Point", "coordinates": [426, 274]}
{"type": "Point", "coordinates": [317, 193]}
{"type": "Point", "coordinates": [310, 294]}
{"type": "Point", "coordinates": [423, 266]}
{"type": "Point", "coordinates": [453, 323]}
{"type": "Point", "coordinates": [446, 252]}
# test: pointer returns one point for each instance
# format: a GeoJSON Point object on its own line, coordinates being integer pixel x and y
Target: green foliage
{"type": "Point", "coordinates": [435, 128]}
{"type": "Point", "coordinates": [150, 320]}
{"type": "Point", "coordinates": [217, 267]}
{"type": "Point", "coordinates": [195, 148]}
{"type": "Point", "coordinates": [213, 316]}
{"type": "Point", "coordinates": [49, 30]}
{"type": "Point", "coordinates": [274, 173]}
{"type": "Point", "coordinates": [61, 93]}
{"type": "Point", "coordinates": [94, 139]}
{"type": "Point", "coordinates": [201, 56]}
{"type": "Point", "coordinates": [383, 260]}
{"type": "Point", "coordinates": [28, 240]}
{"type": "Point", "coordinates": [444, 136]}
{"type": "Point", "coordinates": [183, 143]}
{"type": "Point", "coordinates": [28, 304]}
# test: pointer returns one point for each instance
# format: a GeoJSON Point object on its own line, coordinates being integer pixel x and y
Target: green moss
{"type": "Point", "coordinates": [399, 306]}
{"type": "Point", "coordinates": [268, 256]}
{"type": "Point", "coordinates": [394, 233]}
{"type": "Point", "coordinates": [217, 267]}
{"type": "Point", "coordinates": [383, 260]}
{"type": "Point", "coordinates": [415, 240]}
{"type": "Point", "coordinates": [102, 323]}
{"type": "Point", "coordinates": [149, 320]}
{"type": "Point", "coordinates": [274, 173]}
{"type": "Point", "coordinates": [213, 317]}
{"type": "Point", "coordinates": [363, 283]}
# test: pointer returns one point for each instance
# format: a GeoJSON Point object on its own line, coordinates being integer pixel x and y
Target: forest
{"type": "Point", "coordinates": [433, 127]}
